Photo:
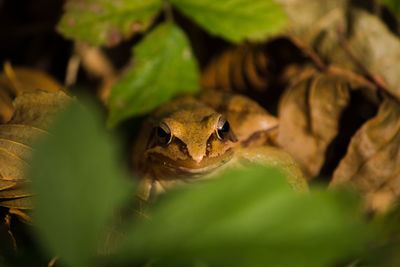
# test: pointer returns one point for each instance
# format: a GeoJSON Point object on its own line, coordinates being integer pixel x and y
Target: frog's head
{"type": "Point", "coordinates": [189, 137]}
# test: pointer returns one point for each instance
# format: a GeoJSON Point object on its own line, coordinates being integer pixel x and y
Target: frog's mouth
{"type": "Point", "coordinates": [205, 169]}
{"type": "Point", "coordinates": [189, 167]}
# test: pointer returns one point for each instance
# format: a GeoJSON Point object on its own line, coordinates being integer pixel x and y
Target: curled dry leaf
{"type": "Point", "coordinates": [258, 70]}
{"type": "Point", "coordinates": [309, 115]}
{"type": "Point", "coordinates": [376, 48]}
{"type": "Point", "coordinates": [33, 112]}
{"type": "Point", "coordinates": [373, 157]}
{"type": "Point", "coordinates": [16, 81]}
{"type": "Point", "coordinates": [21, 79]}
{"type": "Point", "coordinates": [30, 111]}
{"type": "Point", "coordinates": [238, 69]}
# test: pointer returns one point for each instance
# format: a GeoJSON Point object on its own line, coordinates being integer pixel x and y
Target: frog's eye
{"type": "Point", "coordinates": [223, 129]}
{"type": "Point", "coordinates": [164, 134]}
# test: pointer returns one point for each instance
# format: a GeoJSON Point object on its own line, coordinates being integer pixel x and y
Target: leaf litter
{"type": "Point", "coordinates": [32, 111]}
{"type": "Point", "coordinates": [313, 100]}
{"type": "Point", "coordinates": [350, 49]}
{"type": "Point", "coordinates": [358, 41]}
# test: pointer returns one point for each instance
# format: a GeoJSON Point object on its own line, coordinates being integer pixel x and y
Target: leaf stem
{"type": "Point", "coordinates": [167, 8]}
{"type": "Point", "coordinates": [374, 78]}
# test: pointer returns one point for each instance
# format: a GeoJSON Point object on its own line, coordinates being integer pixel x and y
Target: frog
{"type": "Point", "coordinates": [196, 136]}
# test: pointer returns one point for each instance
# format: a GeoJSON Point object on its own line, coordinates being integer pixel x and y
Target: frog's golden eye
{"type": "Point", "coordinates": [164, 134]}
{"type": "Point", "coordinates": [223, 129]}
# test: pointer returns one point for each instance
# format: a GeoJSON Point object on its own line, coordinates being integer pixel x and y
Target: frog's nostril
{"type": "Point", "coordinates": [197, 158]}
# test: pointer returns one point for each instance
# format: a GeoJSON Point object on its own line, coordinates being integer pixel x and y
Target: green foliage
{"type": "Point", "coordinates": [249, 218]}
{"type": "Point", "coordinates": [100, 21]}
{"type": "Point", "coordinates": [78, 185]}
{"type": "Point", "coordinates": [243, 218]}
{"type": "Point", "coordinates": [164, 66]}
{"type": "Point", "coordinates": [393, 5]}
{"type": "Point", "coordinates": [235, 20]}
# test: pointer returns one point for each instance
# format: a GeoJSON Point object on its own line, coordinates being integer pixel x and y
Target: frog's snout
{"type": "Point", "coordinates": [197, 158]}
{"type": "Point", "coordinates": [196, 152]}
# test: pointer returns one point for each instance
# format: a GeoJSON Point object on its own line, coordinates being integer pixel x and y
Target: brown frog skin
{"type": "Point", "coordinates": [195, 135]}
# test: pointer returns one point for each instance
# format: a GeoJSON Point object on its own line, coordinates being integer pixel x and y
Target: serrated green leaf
{"type": "Point", "coordinates": [77, 184]}
{"type": "Point", "coordinates": [164, 66]}
{"type": "Point", "coordinates": [235, 20]}
{"type": "Point", "coordinates": [249, 218]}
{"type": "Point", "coordinates": [393, 5]}
{"type": "Point", "coordinates": [106, 22]}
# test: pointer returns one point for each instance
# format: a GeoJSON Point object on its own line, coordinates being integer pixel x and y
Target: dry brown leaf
{"type": "Point", "coordinates": [21, 79]}
{"type": "Point", "coordinates": [257, 78]}
{"type": "Point", "coordinates": [16, 81]}
{"type": "Point", "coordinates": [37, 108]}
{"type": "Point", "coordinates": [20, 190]}
{"type": "Point", "coordinates": [239, 82]}
{"type": "Point", "coordinates": [348, 37]}
{"type": "Point", "coordinates": [309, 114]}
{"type": "Point", "coordinates": [12, 167]}
{"type": "Point", "coordinates": [22, 203]}
{"type": "Point", "coordinates": [309, 18]}
{"type": "Point", "coordinates": [242, 68]}
{"type": "Point", "coordinates": [19, 134]}
{"type": "Point", "coordinates": [20, 150]}
{"type": "Point", "coordinates": [372, 162]}
{"type": "Point", "coordinates": [376, 48]}
{"type": "Point", "coordinates": [33, 112]}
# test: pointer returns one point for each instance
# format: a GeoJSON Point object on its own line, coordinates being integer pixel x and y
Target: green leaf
{"type": "Point", "coordinates": [393, 5]}
{"type": "Point", "coordinates": [249, 218]}
{"type": "Point", "coordinates": [77, 184]}
{"type": "Point", "coordinates": [235, 20]}
{"type": "Point", "coordinates": [164, 67]}
{"type": "Point", "coordinates": [101, 21]}
{"type": "Point", "coordinates": [385, 251]}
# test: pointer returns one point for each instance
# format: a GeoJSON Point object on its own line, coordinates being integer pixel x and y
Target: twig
{"type": "Point", "coordinates": [309, 53]}
{"type": "Point", "coordinates": [97, 64]}
{"type": "Point", "coordinates": [354, 76]}
{"type": "Point", "coordinates": [374, 78]}
{"type": "Point", "coordinates": [168, 11]}
{"type": "Point", "coordinates": [7, 220]}
{"type": "Point", "coordinates": [72, 70]}
{"type": "Point", "coordinates": [52, 261]}
{"type": "Point", "coordinates": [22, 215]}
{"type": "Point", "coordinates": [16, 86]}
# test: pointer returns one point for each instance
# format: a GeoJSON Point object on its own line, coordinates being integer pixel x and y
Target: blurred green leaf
{"type": "Point", "coordinates": [385, 251]}
{"type": "Point", "coordinates": [249, 218]}
{"type": "Point", "coordinates": [100, 21]}
{"type": "Point", "coordinates": [77, 184]}
{"type": "Point", "coordinates": [235, 20]}
{"type": "Point", "coordinates": [393, 5]}
{"type": "Point", "coordinates": [164, 66]}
